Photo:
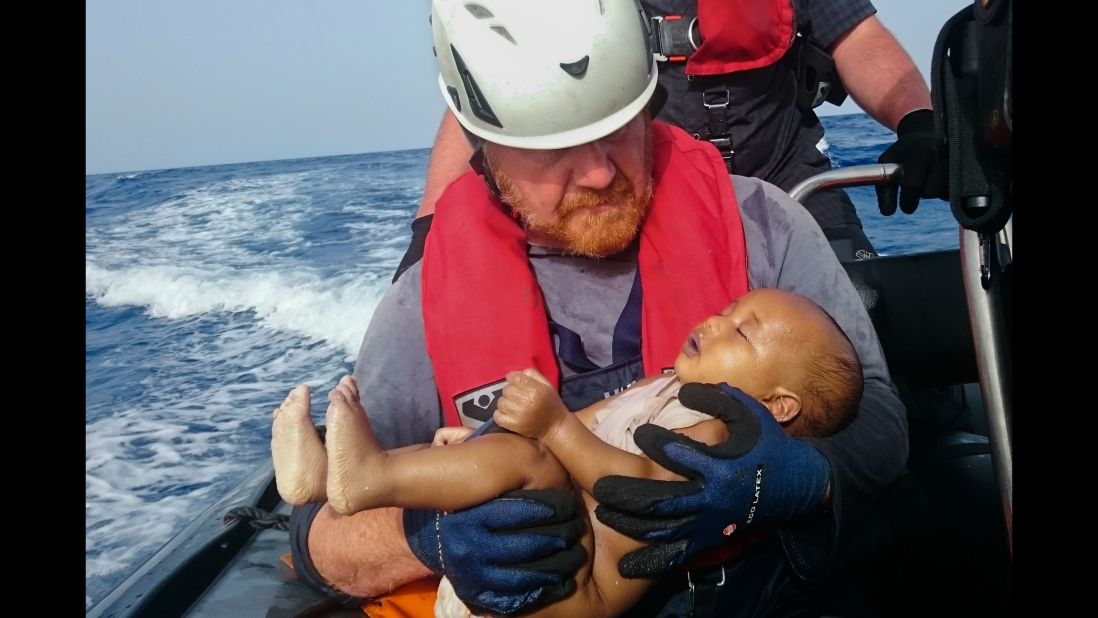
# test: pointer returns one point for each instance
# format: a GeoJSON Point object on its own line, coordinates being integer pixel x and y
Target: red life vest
{"type": "Point", "coordinates": [483, 311]}
{"type": "Point", "coordinates": [738, 35]}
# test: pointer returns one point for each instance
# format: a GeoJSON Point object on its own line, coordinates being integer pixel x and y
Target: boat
{"type": "Point", "coordinates": [940, 540]}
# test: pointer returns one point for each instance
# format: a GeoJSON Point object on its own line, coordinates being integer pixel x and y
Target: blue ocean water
{"type": "Point", "coordinates": [211, 291]}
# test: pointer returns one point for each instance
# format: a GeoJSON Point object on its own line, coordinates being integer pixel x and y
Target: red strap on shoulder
{"type": "Point", "coordinates": [738, 35]}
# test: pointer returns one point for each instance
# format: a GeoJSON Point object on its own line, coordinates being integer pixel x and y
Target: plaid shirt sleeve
{"type": "Point", "coordinates": [824, 21]}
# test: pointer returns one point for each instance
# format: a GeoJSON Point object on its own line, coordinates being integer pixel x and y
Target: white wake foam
{"type": "Point", "coordinates": [334, 310]}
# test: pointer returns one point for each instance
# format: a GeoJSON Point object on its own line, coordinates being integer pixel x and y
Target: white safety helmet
{"type": "Point", "coordinates": [543, 74]}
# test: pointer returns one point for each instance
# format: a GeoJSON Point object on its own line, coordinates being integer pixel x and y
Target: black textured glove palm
{"type": "Point", "coordinates": [758, 475]}
{"type": "Point", "coordinates": [510, 555]}
{"type": "Point", "coordinates": [925, 165]}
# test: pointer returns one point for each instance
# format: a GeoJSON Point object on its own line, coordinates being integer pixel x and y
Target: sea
{"type": "Point", "coordinates": [210, 292]}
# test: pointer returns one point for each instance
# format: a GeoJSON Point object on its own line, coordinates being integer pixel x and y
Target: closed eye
{"type": "Point", "coordinates": [546, 158]}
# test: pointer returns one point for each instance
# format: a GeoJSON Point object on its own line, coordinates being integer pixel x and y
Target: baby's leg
{"type": "Point", "coordinates": [300, 462]}
{"type": "Point", "coordinates": [356, 462]}
{"type": "Point", "coordinates": [456, 476]}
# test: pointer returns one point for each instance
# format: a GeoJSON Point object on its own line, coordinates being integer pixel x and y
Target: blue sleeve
{"type": "Point", "coordinates": [787, 250]}
{"type": "Point", "coordinates": [824, 21]}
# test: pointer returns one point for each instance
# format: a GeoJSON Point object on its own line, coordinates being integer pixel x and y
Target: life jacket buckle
{"type": "Point", "coordinates": [715, 99]}
{"type": "Point", "coordinates": [710, 597]}
{"type": "Point", "coordinates": [673, 38]}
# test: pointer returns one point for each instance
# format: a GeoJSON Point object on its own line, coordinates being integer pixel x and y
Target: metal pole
{"type": "Point", "coordinates": [983, 277]}
{"type": "Point", "coordinates": [871, 174]}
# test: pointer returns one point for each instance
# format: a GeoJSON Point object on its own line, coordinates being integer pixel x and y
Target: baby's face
{"type": "Point", "coordinates": [760, 341]}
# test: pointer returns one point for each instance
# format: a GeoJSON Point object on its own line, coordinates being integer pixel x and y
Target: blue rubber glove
{"type": "Point", "coordinates": [925, 166]}
{"type": "Point", "coordinates": [513, 554]}
{"type": "Point", "coordinates": [759, 475]}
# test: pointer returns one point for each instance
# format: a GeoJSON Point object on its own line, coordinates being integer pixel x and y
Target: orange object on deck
{"type": "Point", "coordinates": [414, 600]}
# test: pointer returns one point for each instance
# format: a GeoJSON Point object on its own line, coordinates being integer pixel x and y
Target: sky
{"type": "Point", "coordinates": [205, 82]}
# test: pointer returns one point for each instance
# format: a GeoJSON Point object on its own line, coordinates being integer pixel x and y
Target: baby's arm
{"type": "Point", "coordinates": [529, 406]}
{"type": "Point", "coordinates": [451, 435]}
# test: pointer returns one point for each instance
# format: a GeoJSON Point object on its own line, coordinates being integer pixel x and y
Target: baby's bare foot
{"type": "Point", "coordinates": [352, 452]}
{"type": "Point", "coordinates": [300, 461]}
{"type": "Point", "coordinates": [349, 385]}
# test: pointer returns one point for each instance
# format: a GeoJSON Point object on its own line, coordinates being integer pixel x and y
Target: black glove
{"type": "Point", "coordinates": [925, 166]}
{"type": "Point", "coordinates": [759, 475]}
{"type": "Point", "coordinates": [509, 555]}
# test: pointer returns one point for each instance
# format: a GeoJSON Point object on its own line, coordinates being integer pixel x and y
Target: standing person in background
{"type": "Point", "coordinates": [750, 87]}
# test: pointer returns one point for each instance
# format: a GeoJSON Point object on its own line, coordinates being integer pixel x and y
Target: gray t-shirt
{"type": "Point", "coordinates": [785, 249]}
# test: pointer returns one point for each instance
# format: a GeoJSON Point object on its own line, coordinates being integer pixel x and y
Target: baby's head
{"type": "Point", "coordinates": [784, 350]}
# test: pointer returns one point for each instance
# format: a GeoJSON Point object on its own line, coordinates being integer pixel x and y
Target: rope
{"type": "Point", "coordinates": [257, 518]}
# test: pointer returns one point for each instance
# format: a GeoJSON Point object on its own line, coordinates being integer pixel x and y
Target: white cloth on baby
{"type": "Point", "coordinates": [657, 402]}
{"type": "Point", "coordinates": [447, 603]}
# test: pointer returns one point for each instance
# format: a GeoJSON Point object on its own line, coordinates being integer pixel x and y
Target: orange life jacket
{"type": "Point", "coordinates": [412, 600]}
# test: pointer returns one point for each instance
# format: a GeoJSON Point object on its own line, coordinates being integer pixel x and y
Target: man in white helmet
{"type": "Point", "coordinates": [586, 243]}
{"type": "Point", "coordinates": [750, 86]}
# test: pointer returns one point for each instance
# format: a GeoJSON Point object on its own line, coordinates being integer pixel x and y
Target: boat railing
{"type": "Point", "coordinates": [987, 305]}
{"type": "Point", "coordinates": [853, 176]}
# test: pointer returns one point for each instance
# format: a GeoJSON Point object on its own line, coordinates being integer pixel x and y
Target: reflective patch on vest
{"type": "Point", "coordinates": [477, 406]}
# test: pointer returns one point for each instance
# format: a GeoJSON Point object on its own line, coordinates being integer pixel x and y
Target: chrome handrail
{"type": "Point", "coordinates": [855, 175]}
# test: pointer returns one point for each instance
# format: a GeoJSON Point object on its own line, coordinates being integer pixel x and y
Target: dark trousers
{"type": "Point", "coordinates": [745, 587]}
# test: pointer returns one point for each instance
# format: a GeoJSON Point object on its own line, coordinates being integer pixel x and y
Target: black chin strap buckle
{"type": "Point", "coordinates": [715, 101]}
{"type": "Point", "coordinates": [674, 38]}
